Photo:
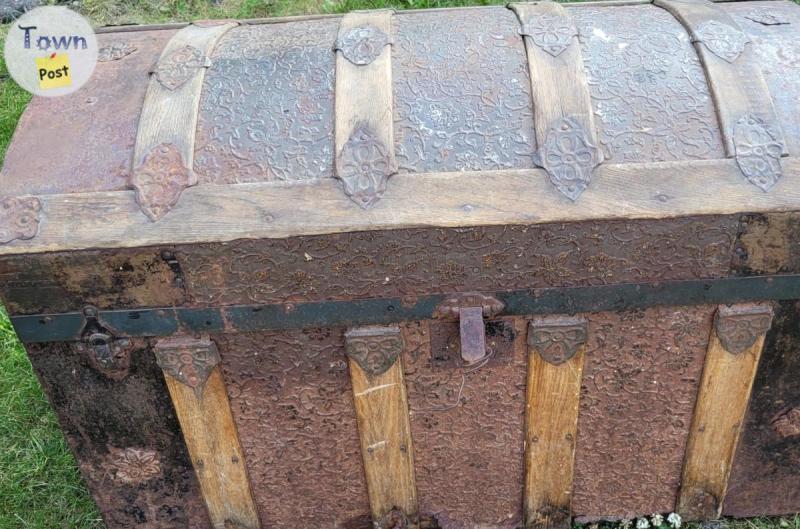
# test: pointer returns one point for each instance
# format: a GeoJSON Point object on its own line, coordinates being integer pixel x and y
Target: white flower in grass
{"type": "Point", "coordinates": [674, 520]}
{"type": "Point", "coordinates": [594, 526]}
{"type": "Point", "coordinates": [642, 523]}
{"type": "Point", "coordinates": [656, 520]}
{"type": "Point", "coordinates": [624, 524]}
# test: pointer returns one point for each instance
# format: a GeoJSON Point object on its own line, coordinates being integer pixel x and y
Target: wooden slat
{"type": "Point", "coordinates": [201, 403]}
{"type": "Point", "coordinates": [364, 96]}
{"type": "Point", "coordinates": [738, 88]}
{"type": "Point", "coordinates": [734, 349]}
{"type": "Point", "coordinates": [381, 405]}
{"type": "Point", "coordinates": [555, 366]}
{"type": "Point", "coordinates": [269, 210]}
{"type": "Point", "coordinates": [170, 111]}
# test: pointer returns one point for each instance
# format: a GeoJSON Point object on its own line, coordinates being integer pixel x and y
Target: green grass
{"type": "Point", "coordinates": [40, 487]}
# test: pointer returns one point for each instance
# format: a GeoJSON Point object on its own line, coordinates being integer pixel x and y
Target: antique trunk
{"type": "Point", "coordinates": [467, 268]}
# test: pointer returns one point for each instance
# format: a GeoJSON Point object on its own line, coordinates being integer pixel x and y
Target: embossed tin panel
{"type": "Point", "coordinates": [765, 477]}
{"type": "Point", "coordinates": [648, 88]}
{"type": "Point", "coordinates": [462, 92]}
{"type": "Point", "coordinates": [638, 392]}
{"type": "Point", "coordinates": [467, 424]}
{"type": "Point", "coordinates": [125, 437]}
{"type": "Point", "coordinates": [266, 112]}
{"type": "Point", "coordinates": [291, 398]}
{"type": "Point", "coordinates": [90, 134]}
{"type": "Point", "coordinates": [778, 50]}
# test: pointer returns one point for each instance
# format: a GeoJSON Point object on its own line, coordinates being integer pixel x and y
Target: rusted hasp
{"type": "Point", "coordinates": [470, 309]}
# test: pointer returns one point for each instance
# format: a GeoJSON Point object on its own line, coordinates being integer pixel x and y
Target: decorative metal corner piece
{"type": "Point", "coordinates": [551, 33]}
{"type": "Point", "coordinates": [179, 66]}
{"type": "Point", "coordinates": [451, 306]}
{"type": "Point", "coordinates": [758, 152]}
{"type": "Point", "coordinates": [374, 349]}
{"type": "Point", "coordinates": [557, 339]}
{"type": "Point", "coordinates": [739, 326]}
{"type": "Point", "coordinates": [765, 17]}
{"type": "Point", "coordinates": [787, 424]}
{"type": "Point", "coordinates": [19, 218]}
{"type": "Point", "coordinates": [362, 44]}
{"type": "Point", "coordinates": [364, 166]}
{"type": "Point", "coordinates": [569, 157]}
{"type": "Point", "coordinates": [723, 40]}
{"type": "Point", "coordinates": [160, 180]}
{"type": "Point", "coordinates": [115, 51]}
{"type": "Point", "coordinates": [133, 466]}
{"type": "Point", "coordinates": [188, 359]}
{"type": "Point", "coordinates": [394, 519]}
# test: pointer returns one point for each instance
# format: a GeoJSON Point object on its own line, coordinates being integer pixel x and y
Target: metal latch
{"type": "Point", "coordinates": [470, 308]}
{"type": "Point", "coordinates": [108, 354]}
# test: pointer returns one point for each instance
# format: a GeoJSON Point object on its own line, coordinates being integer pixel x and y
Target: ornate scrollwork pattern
{"type": "Point", "coordinates": [738, 328]}
{"type": "Point", "coordinates": [551, 33]}
{"type": "Point", "coordinates": [364, 166]}
{"type": "Point", "coordinates": [362, 45]}
{"type": "Point", "coordinates": [723, 40]}
{"type": "Point", "coordinates": [179, 66]}
{"type": "Point", "coordinates": [557, 339]}
{"type": "Point", "coordinates": [133, 466]}
{"type": "Point", "coordinates": [187, 359]}
{"type": "Point", "coordinates": [569, 157]}
{"type": "Point", "coordinates": [19, 218]}
{"type": "Point", "coordinates": [374, 349]}
{"type": "Point", "coordinates": [465, 111]}
{"type": "Point", "coordinates": [115, 51]}
{"type": "Point", "coordinates": [160, 180]}
{"type": "Point", "coordinates": [758, 153]}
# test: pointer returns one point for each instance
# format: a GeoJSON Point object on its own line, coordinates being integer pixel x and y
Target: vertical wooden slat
{"type": "Point", "coordinates": [381, 405]}
{"type": "Point", "coordinates": [201, 403]}
{"type": "Point", "coordinates": [555, 366]}
{"type": "Point", "coordinates": [734, 349]}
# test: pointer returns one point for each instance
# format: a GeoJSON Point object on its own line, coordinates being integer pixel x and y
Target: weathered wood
{"type": "Point", "coordinates": [736, 82]}
{"type": "Point", "coordinates": [381, 404]}
{"type": "Point", "coordinates": [734, 349]}
{"type": "Point", "coordinates": [198, 394]}
{"type": "Point", "coordinates": [166, 135]}
{"type": "Point", "coordinates": [267, 210]}
{"type": "Point", "coordinates": [555, 367]}
{"type": "Point", "coordinates": [364, 126]}
{"type": "Point", "coordinates": [560, 94]}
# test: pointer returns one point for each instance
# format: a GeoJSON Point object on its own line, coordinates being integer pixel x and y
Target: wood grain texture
{"type": "Point", "coordinates": [719, 411]}
{"type": "Point", "coordinates": [381, 406]}
{"type": "Point", "coordinates": [213, 442]}
{"type": "Point", "coordinates": [271, 210]}
{"type": "Point", "coordinates": [738, 88]}
{"type": "Point", "coordinates": [551, 416]}
{"type": "Point", "coordinates": [558, 84]}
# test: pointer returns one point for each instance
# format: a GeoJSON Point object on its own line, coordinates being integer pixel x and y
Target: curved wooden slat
{"type": "Point", "coordinates": [164, 152]}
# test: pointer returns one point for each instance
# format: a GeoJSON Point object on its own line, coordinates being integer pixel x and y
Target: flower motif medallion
{"type": "Point", "coordinates": [569, 157]}
{"type": "Point", "coordinates": [179, 66]}
{"type": "Point", "coordinates": [362, 45]}
{"type": "Point", "coordinates": [364, 166]}
{"type": "Point", "coordinates": [758, 152]}
{"type": "Point", "coordinates": [551, 33]}
{"type": "Point", "coordinates": [723, 40]}
{"type": "Point", "coordinates": [160, 180]}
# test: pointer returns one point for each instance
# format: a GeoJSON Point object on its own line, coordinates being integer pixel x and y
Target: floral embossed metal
{"type": "Point", "coordinates": [551, 33]}
{"type": "Point", "coordinates": [19, 218]}
{"type": "Point", "coordinates": [556, 339]}
{"type": "Point", "coordinates": [374, 349]}
{"type": "Point", "coordinates": [160, 180]}
{"type": "Point", "coordinates": [723, 40]}
{"type": "Point", "coordinates": [133, 466]}
{"type": "Point", "coordinates": [569, 156]}
{"type": "Point", "coordinates": [739, 326]}
{"type": "Point", "coordinates": [364, 166]}
{"type": "Point", "coordinates": [179, 66]}
{"type": "Point", "coordinates": [766, 17]}
{"type": "Point", "coordinates": [188, 359]}
{"type": "Point", "coordinates": [362, 45]}
{"type": "Point", "coordinates": [115, 51]}
{"type": "Point", "coordinates": [758, 152]}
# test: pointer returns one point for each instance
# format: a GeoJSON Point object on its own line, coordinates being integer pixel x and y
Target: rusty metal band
{"type": "Point", "coordinates": [252, 318]}
{"type": "Point", "coordinates": [562, 107]}
{"type": "Point", "coordinates": [751, 131]}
